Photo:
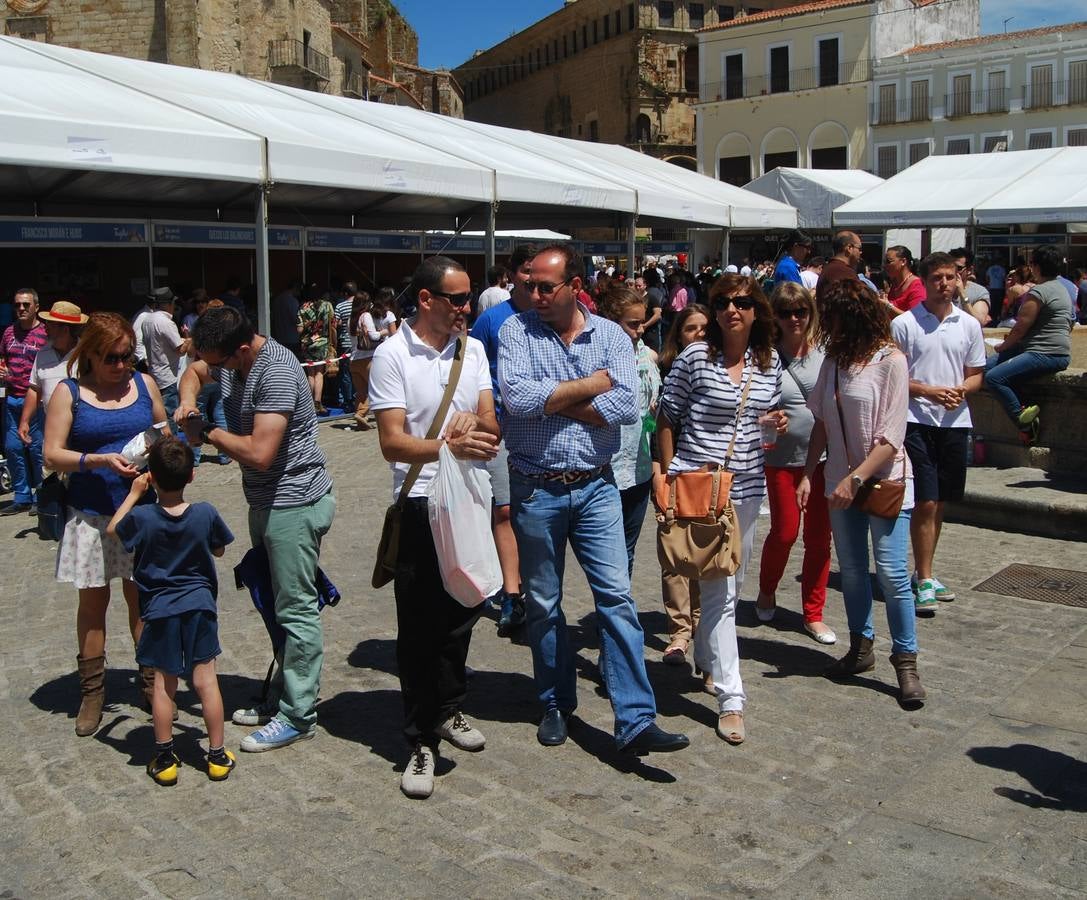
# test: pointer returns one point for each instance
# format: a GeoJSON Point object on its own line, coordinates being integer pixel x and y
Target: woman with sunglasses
{"type": "Point", "coordinates": [801, 360]}
{"type": "Point", "coordinates": [704, 398]}
{"type": "Point", "coordinates": [89, 421]}
{"type": "Point", "coordinates": [860, 402]}
{"type": "Point", "coordinates": [682, 601]}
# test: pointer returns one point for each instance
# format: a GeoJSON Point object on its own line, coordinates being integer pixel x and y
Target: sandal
{"type": "Point", "coordinates": [730, 727]}
{"type": "Point", "coordinates": [675, 654]}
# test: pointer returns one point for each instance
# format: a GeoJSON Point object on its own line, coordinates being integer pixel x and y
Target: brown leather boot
{"type": "Point", "coordinates": [92, 685]}
{"type": "Point", "coordinates": [909, 684]}
{"type": "Point", "coordinates": [859, 658]}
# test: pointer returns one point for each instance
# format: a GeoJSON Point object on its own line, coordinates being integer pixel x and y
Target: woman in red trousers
{"type": "Point", "coordinates": [794, 315]}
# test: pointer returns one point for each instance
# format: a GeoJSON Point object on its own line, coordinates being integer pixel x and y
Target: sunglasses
{"type": "Point", "coordinates": [111, 359]}
{"type": "Point", "coordinates": [742, 302]}
{"type": "Point", "coordinates": [545, 288]}
{"type": "Point", "coordinates": [457, 301]}
{"type": "Point", "coordinates": [798, 313]}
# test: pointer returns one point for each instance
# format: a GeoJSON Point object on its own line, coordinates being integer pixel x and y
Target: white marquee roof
{"type": "Point", "coordinates": [815, 193]}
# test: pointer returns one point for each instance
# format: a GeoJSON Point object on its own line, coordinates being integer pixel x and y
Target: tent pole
{"type": "Point", "coordinates": [725, 247]}
{"type": "Point", "coordinates": [150, 257]}
{"type": "Point", "coordinates": [264, 304]}
{"type": "Point", "coordinates": [632, 224]}
{"type": "Point", "coordinates": [488, 240]}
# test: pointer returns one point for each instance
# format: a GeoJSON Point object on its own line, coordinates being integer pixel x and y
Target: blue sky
{"type": "Point", "coordinates": [450, 31]}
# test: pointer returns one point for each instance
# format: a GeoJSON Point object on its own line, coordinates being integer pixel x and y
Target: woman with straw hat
{"type": "Point", "coordinates": [62, 324]}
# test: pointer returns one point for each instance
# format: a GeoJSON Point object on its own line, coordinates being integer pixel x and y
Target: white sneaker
{"type": "Point", "coordinates": [255, 715]}
{"type": "Point", "coordinates": [461, 733]}
{"type": "Point", "coordinates": [418, 778]}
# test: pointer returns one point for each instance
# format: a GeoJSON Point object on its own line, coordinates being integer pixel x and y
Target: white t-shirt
{"type": "Point", "coordinates": [936, 353]}
{"type": "Point", "coordinates": [373, 332]}
{"type": "Point", "coordinates": [809, 279]}
{"type": "Point", "coordinates": [491, 297]}
{"type": "Point", "coordinates": [410, 375]}
{"type": "Point", "coordinates": [161, 340]}
{"type": "Point", "coordinates": [49, 371]}
{"type": "Point", "coordinates": [137, 327]}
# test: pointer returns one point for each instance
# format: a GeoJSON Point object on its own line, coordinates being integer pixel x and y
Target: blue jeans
{"type": "Point", "coordinates": [890, 538]}
{"type": "Point", "coordinates": [545, 515]}
{"type": "Point", "coordinates": [1015, 367]}
{"type": "Point", "coordinates": [209, 402]}
{"type": "Point", "coordinates": [345, 387]}
{"type": "Point", "coordinates": [24, 462]}
{"type": "Point", "coordinates": [635, 502]}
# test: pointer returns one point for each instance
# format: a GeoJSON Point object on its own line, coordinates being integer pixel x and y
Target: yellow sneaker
{"type": "Point", "coordinates": [221, 771]}
{"type": "Point", "coordinates": [163, 768]}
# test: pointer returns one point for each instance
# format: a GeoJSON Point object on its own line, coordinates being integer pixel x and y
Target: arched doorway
{"type": "Point", "coordinates": [828, 146]}
{"type": "Point", "coordinates": [734, 159]}
{"type": "Point", "coordinates": [780, 148]}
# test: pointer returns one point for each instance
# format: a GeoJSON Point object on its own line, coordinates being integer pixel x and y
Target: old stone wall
{"type": "Point", "coordinates": [132, 28]}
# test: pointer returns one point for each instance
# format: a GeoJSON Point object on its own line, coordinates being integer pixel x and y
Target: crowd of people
{"type": "Point", "coordinates": [578, 395]}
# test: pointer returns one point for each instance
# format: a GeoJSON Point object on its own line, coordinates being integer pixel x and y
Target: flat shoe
{"type": "Point", "coordinates": [675, 654]}
{"type": "Point", "coordinates": [553, 728]}
{"type": "Point", "coordinates": [765, 614]}
{"type": "Point", "coordinates": [730, 727]}
{"type": "Point", "coordinates": [823, 637]}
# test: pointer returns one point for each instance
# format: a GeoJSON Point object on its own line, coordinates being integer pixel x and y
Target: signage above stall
{"type": "Point", "coordinates": [70, 232]}
{"type": "Point", "coordinates": [363, 241]}
{"type": "Point", "coordinates": [224, 236]}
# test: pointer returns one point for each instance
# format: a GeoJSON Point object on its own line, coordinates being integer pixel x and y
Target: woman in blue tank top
{"type": "Point", "coordinates": [90, 419]}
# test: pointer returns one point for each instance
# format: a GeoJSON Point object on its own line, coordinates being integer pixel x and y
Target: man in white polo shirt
{"type": "Point", "coordinates": [407, 380]}
{"type": "Point", "coordinates": [945, 350]}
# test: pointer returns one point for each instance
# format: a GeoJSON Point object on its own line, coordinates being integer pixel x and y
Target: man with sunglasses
{"type": "Point", "coordinates": [842, 266]}
{"type": "Point", "coordinates": [969, 295]}
{"type": "Point", "coordinates": [408, 378]}
{"type": "Point", "coordinates": [19, 346]}
{"type": "Point", "coordinates": [272, 433]}
{"type": "Point", "coordinates": [569, 383]}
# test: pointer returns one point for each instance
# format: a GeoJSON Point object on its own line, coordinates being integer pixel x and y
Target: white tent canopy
{"type": "Point", "coordinates": [815, 193]}
{"type": "Point", "coordinates": [991, 188]}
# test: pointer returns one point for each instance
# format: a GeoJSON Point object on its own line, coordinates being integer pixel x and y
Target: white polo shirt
{"type": "Point", "coordinates": [937, 353]}
{"type": "Point", "coordinates": [410, 375]}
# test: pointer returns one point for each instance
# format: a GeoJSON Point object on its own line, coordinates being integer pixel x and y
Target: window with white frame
{"type": "Point", "coordinates": [888, 100]}
{"type": "Point", "coordinates": [961, 87]}
{"type": "Point", "coordinates": [995, 143]}
{"type": "Point", "coordinates": [919, 105]}
{"type": "Point", "coordinates": [1041, 86]}
{"type": "Point", "coordinates": [779, 69]}
{"type": "Point", "coordinates": [1076, 137]}
{"type": "Point", "coordinates": [958, 146]}
{"type": "Point", "coordinates": [829, 61]}
{"type": "Point", "coordinates": [1077, 81]}
{"type": "Point", "coordinates": [1039, 140]}
{"type": "Point", "coordinates": [734, 76]}
{"type": "Point", "coordinates": [887, 160]}
{"type": "Point", "coordinates": [997, 99]}
{"type": "Point", "coordinates": [919, 151]}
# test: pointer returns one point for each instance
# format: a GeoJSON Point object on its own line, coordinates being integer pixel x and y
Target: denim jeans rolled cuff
{"type": "Point", "coordinates": [547, 515]}
{"type": "Point", "coordinates": [1008, 370]}
{"type": "Point", "coordinates": [24, 462]}
{"type": "Point", "coordinates": [433, 632]}
{"type": "Point", "coordinates": [292, 537]}
{"type": "Point", "coordinates": [889, 545]}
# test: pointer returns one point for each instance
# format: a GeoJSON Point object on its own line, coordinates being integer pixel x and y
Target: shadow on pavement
{"type": "Point", "coordinates": [596, 743]}
{"type": "Point", "coordinates": [1059, 780]}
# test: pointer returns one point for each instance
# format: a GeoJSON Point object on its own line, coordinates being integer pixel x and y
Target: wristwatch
{"type": "Point", "coordinates": [858, 482]}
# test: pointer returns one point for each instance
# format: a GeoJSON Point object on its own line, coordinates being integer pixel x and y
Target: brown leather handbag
{"type": "Point", "coordinates": [880, 497]}
{"type": "Point", "coordinates": [698, 532]}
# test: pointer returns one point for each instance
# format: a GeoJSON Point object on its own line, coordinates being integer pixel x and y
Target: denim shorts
{"type": "Point", "coordinates": [174, 644]}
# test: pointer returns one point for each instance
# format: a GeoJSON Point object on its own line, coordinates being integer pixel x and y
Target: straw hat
{"type": "Point", "coordinates": [64, 313]}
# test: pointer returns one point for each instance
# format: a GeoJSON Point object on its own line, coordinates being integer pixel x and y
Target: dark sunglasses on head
{"type": "Point", "coordinates": [743, 301]}
{"type": "Point", "coordinates": [111, 359]}
{"type": "Point", "coordinates": [545, 288]}
{"type": "Point", "coordinates": [798, 312]}
{"type": "Point", "coordinates": [457, 301]}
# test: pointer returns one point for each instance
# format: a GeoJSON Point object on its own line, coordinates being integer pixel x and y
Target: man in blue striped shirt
{"type": "Point", "coordinates": [569, 381]}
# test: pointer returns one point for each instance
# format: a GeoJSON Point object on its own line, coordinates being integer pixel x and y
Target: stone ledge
{"type": "Point", "coordinates": [1023, 500]}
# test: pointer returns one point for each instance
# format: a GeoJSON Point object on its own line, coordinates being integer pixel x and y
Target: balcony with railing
{"type": "Point", "coordinates": [915, 109]}
{"type": "Point", "coordinates": [976, 103]}
{"type": "Point", "coordinates": [296, 58]}
{"type": "Point", "coordinates": [354, 85]}
{"type": "Point", "coordinates": [1044, 94]}
{"type": "Point", "coordinates": [786, 82]}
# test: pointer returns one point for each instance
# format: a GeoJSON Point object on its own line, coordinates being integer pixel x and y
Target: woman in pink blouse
{"type": "Point", "coordinates": [865, 375]}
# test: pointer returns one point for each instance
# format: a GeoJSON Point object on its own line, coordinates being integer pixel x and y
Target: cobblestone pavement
{"type": "Point", "coordinates": [837, 792]}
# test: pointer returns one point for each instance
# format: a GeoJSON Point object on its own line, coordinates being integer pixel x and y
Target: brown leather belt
{"type": "Point", "coordinates": [570, 476]}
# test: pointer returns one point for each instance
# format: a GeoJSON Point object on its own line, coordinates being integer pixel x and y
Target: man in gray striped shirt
{"type": "Point", "coordinates": [272, 432]}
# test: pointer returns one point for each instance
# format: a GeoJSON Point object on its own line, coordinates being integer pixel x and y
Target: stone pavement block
{"type": "Point", "coordinates": [1061, 682]}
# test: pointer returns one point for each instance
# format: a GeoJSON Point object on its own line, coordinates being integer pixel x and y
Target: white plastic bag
{"type": "Point", "coordinates": [136, 450]}
{"type": "Point", "coordinates": [459, 503]}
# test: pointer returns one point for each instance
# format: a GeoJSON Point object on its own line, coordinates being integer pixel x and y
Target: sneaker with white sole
{"type": "Point", "coordinates": [418, 778]}
{"type": "Point", "coordinates": [274, 735]}
{"type": "Point", "coordinates": [925, 600]}
{"type": "Point", "coordinates": [461, 733]}
{"type": "Point", "coordinates": [255, 715]}
{"type": "Point", "coordinates": [943, 593]}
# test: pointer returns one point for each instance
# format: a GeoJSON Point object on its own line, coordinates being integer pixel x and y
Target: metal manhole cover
{"type": "Point", "coordinates": [1064, 586]}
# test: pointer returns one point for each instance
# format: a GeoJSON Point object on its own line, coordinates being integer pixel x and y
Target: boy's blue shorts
{"type": "Point", "coordinates": [174, 644]}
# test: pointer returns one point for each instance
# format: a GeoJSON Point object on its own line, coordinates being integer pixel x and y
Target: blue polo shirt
{"type": "Point", "coordinates": [787, 270]}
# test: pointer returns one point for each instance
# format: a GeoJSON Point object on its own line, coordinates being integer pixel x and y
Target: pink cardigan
{"type": "Point", "coordinates": [875, 400]}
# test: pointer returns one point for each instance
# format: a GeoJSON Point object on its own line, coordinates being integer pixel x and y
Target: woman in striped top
{"type": "Point", "coordinates": [702, 400]}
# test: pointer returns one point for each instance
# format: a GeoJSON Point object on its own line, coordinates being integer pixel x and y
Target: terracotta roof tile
{"type": "Point", "coordinates": [798, 9]}
{"type": "Point", "coordinates": [995, 38]}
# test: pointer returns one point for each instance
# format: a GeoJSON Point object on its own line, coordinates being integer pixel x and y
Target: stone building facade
{"type": "Point", "coordinates": [331, 46]}
{"type": "Point", "coordinates": [601, 70]}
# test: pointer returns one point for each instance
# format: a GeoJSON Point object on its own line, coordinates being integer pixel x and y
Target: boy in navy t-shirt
{"type": "Point", "coordinates": [174, 543]}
